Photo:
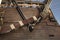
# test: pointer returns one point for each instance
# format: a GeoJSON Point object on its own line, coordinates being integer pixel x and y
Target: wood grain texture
{"type": "Point", "coordinates": [45, 30]}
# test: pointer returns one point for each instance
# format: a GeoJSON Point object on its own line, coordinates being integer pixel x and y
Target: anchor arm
{"type": "Point", "coordinates": [22, 16]}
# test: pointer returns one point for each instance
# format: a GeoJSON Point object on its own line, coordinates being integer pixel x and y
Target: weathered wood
{"type": "Point", "coordinates": [45, 30]}
{"type": "Point", "coordinates": [42, 31]}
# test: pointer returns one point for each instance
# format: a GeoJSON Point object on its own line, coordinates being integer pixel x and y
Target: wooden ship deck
{"type": "Point", "coordinates": [45, 30]}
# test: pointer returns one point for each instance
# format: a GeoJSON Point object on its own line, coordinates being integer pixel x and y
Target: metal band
{"type": "Point", "coordinates": [21, 23]}
{"type": "Point", "coordinates": [12, 26]}
{"type": "Point", "coordinates": [35, 18]}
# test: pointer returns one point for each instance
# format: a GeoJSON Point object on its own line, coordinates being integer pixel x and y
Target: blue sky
{"type": "Point", "coordinates": [55, 7]}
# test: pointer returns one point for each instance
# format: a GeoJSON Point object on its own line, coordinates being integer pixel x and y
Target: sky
{"type": "Point", "coordinates": [0, 1]}
{"type": "Point", "coordinates": [55, 7]}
